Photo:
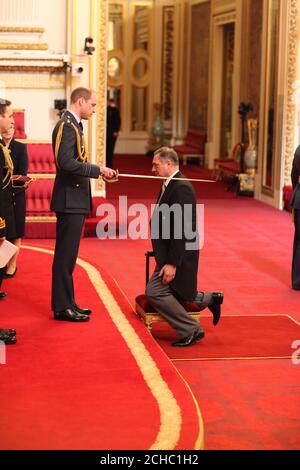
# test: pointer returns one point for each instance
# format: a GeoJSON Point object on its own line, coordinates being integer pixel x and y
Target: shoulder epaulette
{"type": "Point", "coordinates": [58, 141]}
{"type": "Point", "coordinates": [9, 166]}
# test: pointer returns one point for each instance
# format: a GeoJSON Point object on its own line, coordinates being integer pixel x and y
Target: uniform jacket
{"type": "Point", "coordinates": [295, 201]}
{"type": "Point", "coordinates": [2, 220]}
{"type": "Point", "coordinates": [172, 250]}
{"type": "Point", "coordinates": [72, 190]}
{"type": "Point", "coordinates": [18, 153]}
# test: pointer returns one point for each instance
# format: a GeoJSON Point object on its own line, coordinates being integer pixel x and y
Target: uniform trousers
{"type": "Point", "coordinates": [2, 272]}
{"type": "Point", "coordinates": [68, 233]}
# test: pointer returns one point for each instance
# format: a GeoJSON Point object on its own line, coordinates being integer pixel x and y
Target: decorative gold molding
{"type": "Point", "coordinates": [168, 63]}
{"type": "Point", "coordinates": [291, 77]}
{"type": "Point", "coordinates": [118, 80]}
{"type": "Point", "coordinates": [144, 81]}
{"type": "Point", "coordinates": [21, 29]}
{"type": "Point", "coordinates": [32, 59]}
{"type": "Point", "coordinates": [41, 176]}
{"type": "Point", "coordinates": [23, 46]}
{"type": "Point", "coordinates": [33, 80]}
{"type": "Point", "coordinates": [43, 219]}
{"type": "Point", "coordinates": [32, 141]}
{"type": "Point", "coordinates": [101, 70]}
{"type": "Point", "coordinates": [224, 19]}
{"type": "Point", "coordinates": [31, 68]}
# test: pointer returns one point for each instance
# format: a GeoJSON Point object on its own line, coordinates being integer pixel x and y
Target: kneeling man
{"type": "Point", "coordinates": [175, 244]}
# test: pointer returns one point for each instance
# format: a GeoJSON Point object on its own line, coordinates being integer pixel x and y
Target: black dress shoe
{"type": "Point", "coordinates": [10, 332]}
{"type": "Point", "coordinates": [2, 294]}
{"type": "Point", "coordinates": [215, 306]}
{"type": "Point", "coordinates": [7, 338]}
{"type": "Point", "coordinates": [189, 340]}
{"type": "Point", "coordinates": [10, 276]}
{"type": "Point", "coordinates": [83, 311]}
{"type": "Point", "coordinates": [70, 315]}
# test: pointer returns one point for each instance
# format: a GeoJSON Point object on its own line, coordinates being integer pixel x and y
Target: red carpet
{"type": "Point", "coordinates": [100, 385]}
{"type": "Point", "coordinates": [246, 404]}
{"type": "Point", "coordinates": [236, 337]}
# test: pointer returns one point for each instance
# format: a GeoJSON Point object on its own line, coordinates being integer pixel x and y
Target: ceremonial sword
{"type": "Point", "coordinates": [130, 175]}
{"type": "Point", "coordinates": [35, 176]}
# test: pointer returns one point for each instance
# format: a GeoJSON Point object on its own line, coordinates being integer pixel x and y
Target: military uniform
{"type": "Point", "coordinates": [6, 170]}
{"type": "Point", "coordinates": [295, 203]}
{"type": "Point", "coordinates": [71, 200]}
{"type": "Point", "coordinates": [19, 157]}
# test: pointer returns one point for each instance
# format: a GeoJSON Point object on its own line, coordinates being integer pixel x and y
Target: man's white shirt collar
{"type": "Point", "coordinates": [75, 116]}
{"type": "Point", "coordinates": [170, 177]}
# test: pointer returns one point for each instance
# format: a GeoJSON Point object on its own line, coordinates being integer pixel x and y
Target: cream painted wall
{"type": "Point", "coordinates": [50, 15]}
{"type": "Point", "coordinates": [53, 17]}
{"type": "Point", "coordinates": [40, 117]}
{"type": "Point", "coordinates": [36, 95]}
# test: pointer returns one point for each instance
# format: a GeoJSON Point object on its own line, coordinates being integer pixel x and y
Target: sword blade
{"type": "Point", "coordinates": [128, 175]}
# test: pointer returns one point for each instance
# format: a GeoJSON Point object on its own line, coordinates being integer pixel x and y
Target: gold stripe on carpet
{"type": "Point", "coordinates": [170, 412]}
{"type": "Point", "coordinates": [200, 438]}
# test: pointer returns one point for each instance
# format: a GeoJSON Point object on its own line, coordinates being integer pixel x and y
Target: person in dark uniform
{"type": "Point", "coordinates": [176, 250]}
{"type": "Point", "coordinates": [71, 200]}
{"type": "Point", "coordinates": [113, 126]}
{"type": "Point", "coordinates": [6, 169]}
{"type": "Point", "coordinates": [18, 153]}
{"type": "Point", "coordinates": [295, 203]}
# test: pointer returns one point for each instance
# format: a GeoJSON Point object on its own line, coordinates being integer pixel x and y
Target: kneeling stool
{"type": "Point", "coordinates": [148, 314]}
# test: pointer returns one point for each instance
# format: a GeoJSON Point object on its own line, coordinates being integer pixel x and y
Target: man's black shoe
{"type": "Point", "coordinates": [83, 311]}
{"type": "Point", "coordinates": [9, 332]}
{"type": "Point", "coordinates": [189, 340]}
{"type": "Point", "coordinates": [215, 306]}
{"type": "Point", "coordinates": [10, 276]}
{"type": "Point", "coordinates": [7, 338]}
{"type": "Point", "coordinates": [2, 294]}
{"type": "Point", "coordinates": [70, 315]}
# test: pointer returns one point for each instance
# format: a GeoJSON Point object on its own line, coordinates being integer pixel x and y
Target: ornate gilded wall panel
{"type": "Point", "coordinates": [198, 84]}
{"type": "Point", "coordinates": [293, 37]}
{"type": "Point", "coordinates": [254, 58]}
{"type": "Point", "coordinates": [101, 70]}
{"type": "Point", "coordinates": [168, 64]}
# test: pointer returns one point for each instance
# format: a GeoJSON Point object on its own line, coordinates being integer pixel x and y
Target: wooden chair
{"type": "Point", "coordinates": [229, 166]}
{"type": "Point", "coordinates": [40, 220]}
{"type": "Point", "coordinates": [193, 147]}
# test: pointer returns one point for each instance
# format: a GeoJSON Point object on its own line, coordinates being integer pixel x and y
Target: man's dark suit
{"type": "Point", "coordinates": [295, 203]}
{"type": "Point", "coordinates": [2, 220]}
{"type": "Point", "coordinates": [113, 125]}
{"type": "Point", "coordinates": [174, 251]}
{"type": "Point", "coordinates": [71, 200]}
